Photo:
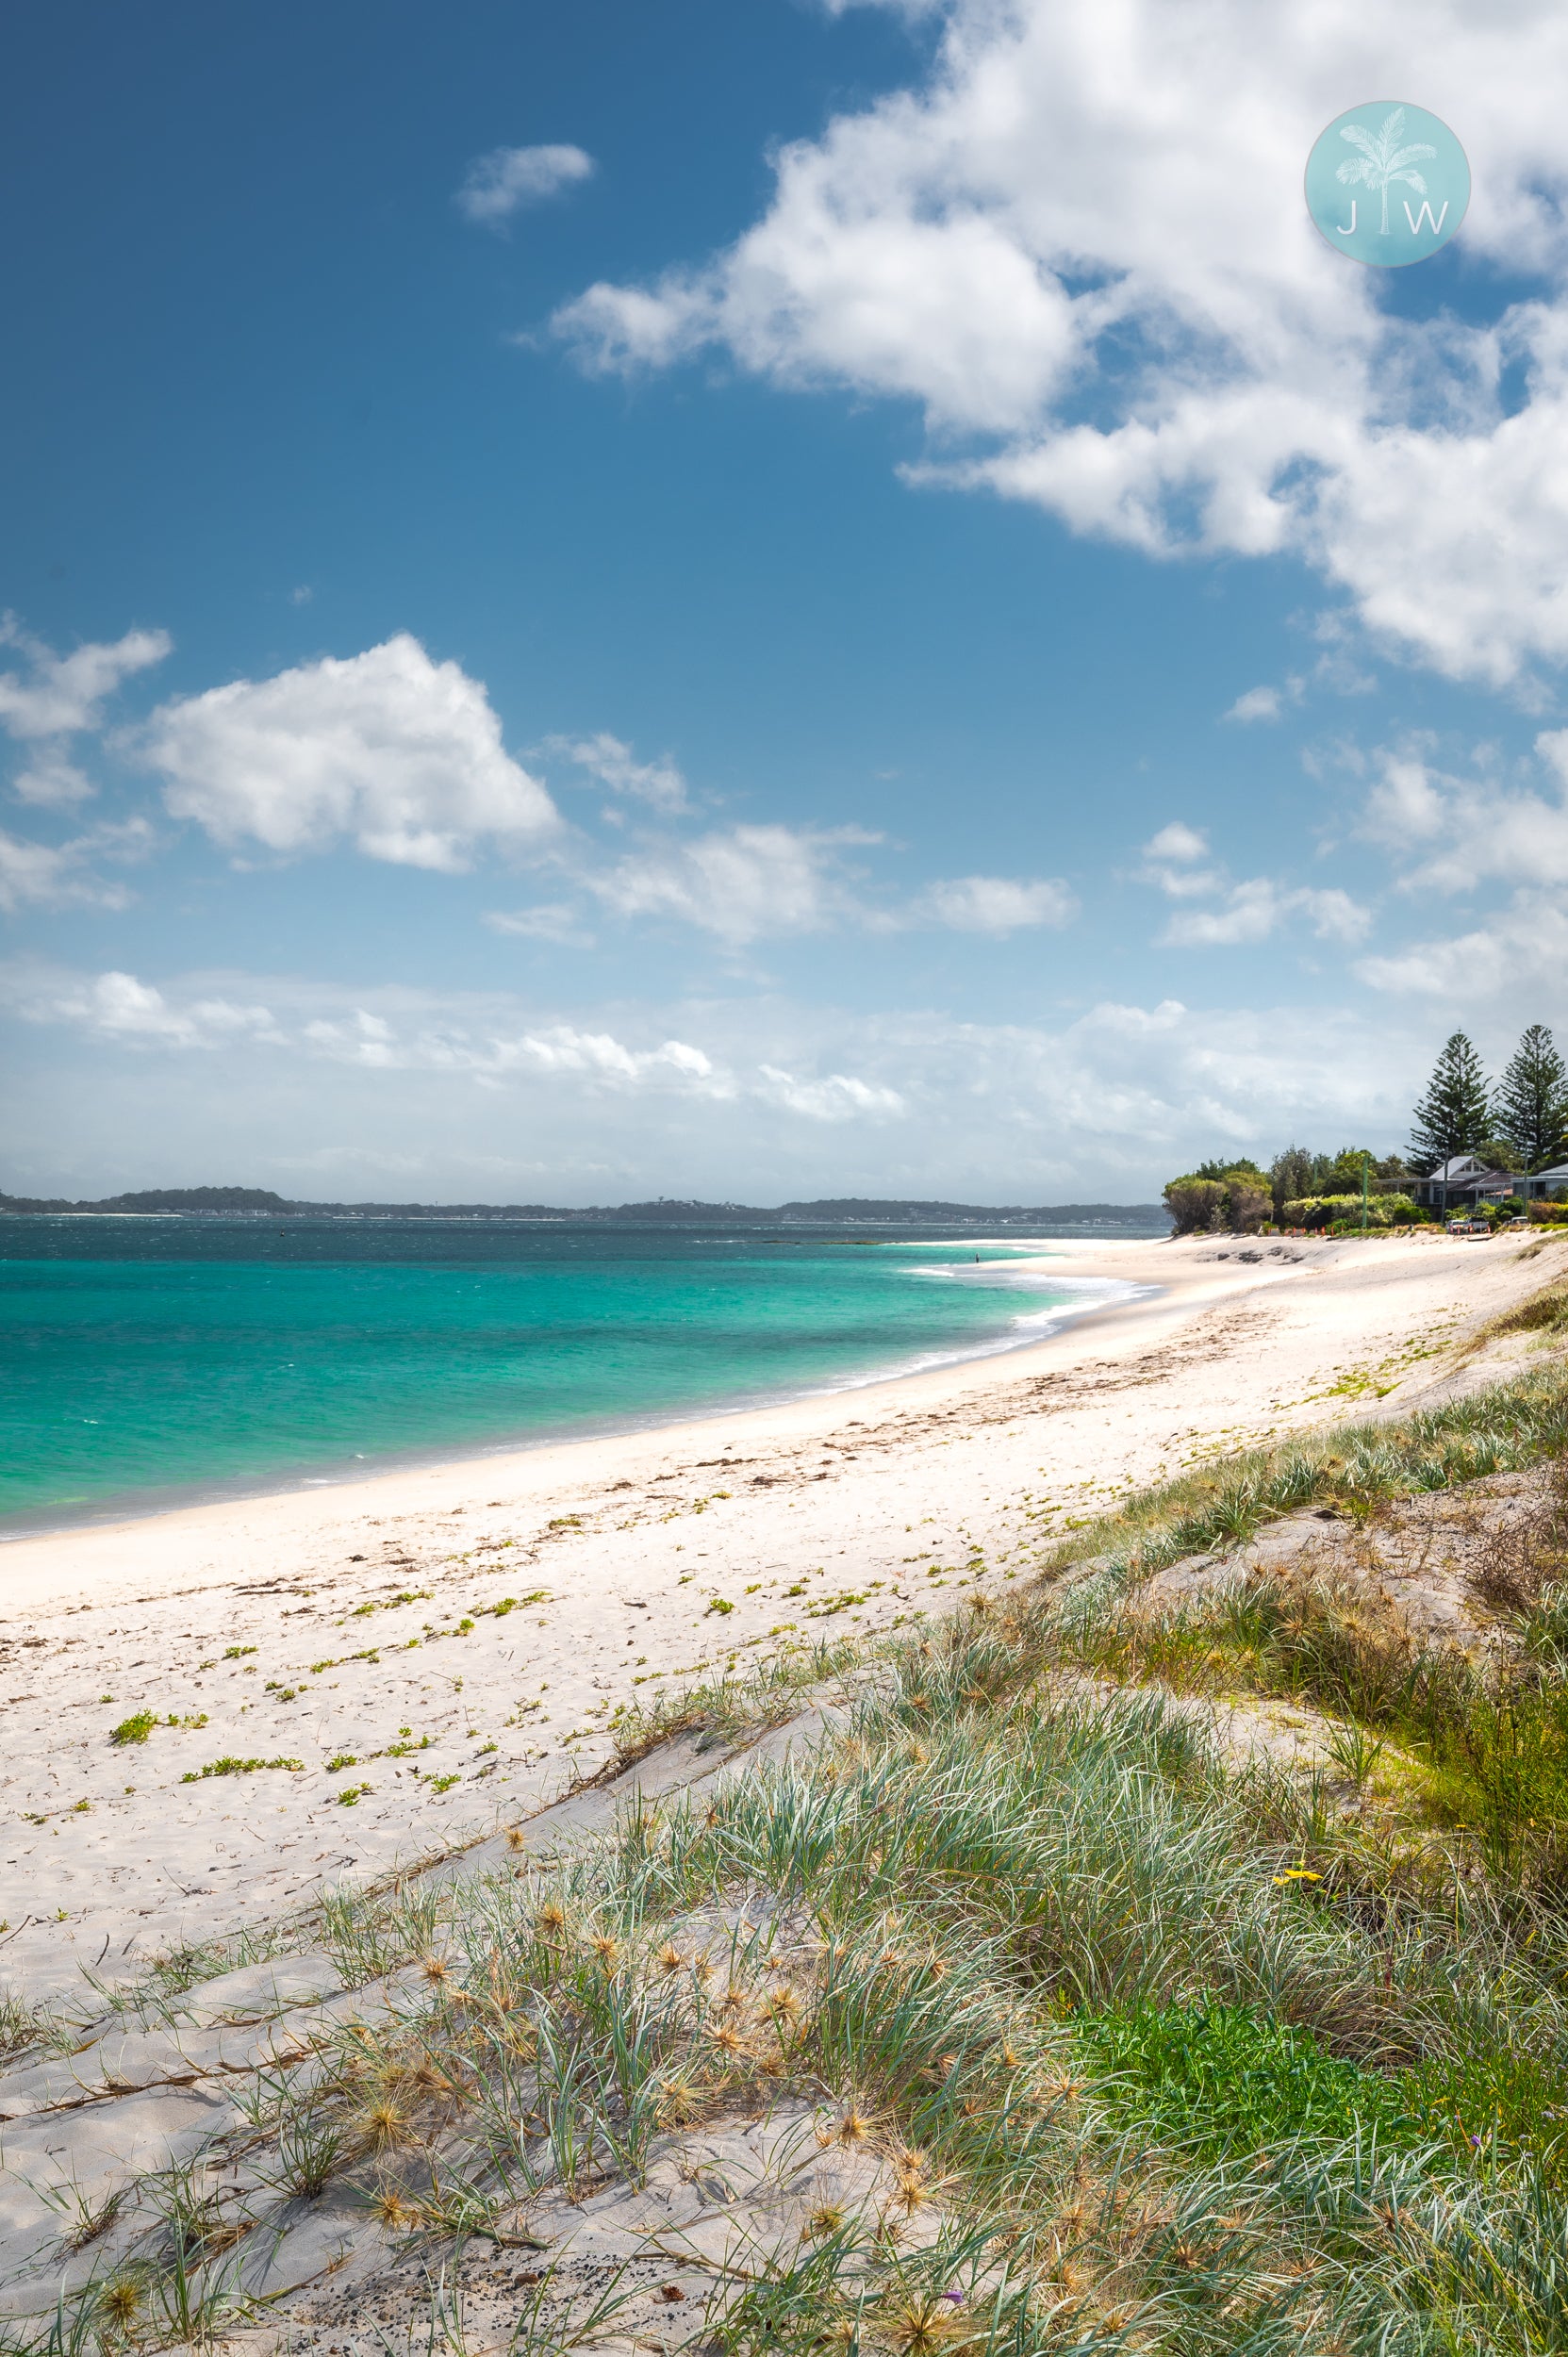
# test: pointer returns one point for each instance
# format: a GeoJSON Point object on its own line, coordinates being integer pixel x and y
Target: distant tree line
{"type": "Point", "coordinates": [1517, 1124]}
{"type": "Point", "coordinates": [262, 1203]}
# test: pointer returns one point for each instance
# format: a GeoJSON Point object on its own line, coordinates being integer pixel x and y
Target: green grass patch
{"type": "Point", "coordinates": [230, 1765]}
{"type": "Point", "coordinates": [1222, 2079]}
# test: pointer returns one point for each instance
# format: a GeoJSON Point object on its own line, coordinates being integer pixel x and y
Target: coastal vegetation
{"type": "Point", "coordinates": [1299, 1190]}
{"type": "Point", "coordinates": [1037, 1999]}
{"type": "Point", "coordinates": [1518, 1127]}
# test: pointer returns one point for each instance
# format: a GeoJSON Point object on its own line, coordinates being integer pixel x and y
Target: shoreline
{"type": "Point", "coordinates": [32, 1564]}
{"type": "Point", "coordinates": [442, 1649]}
{"type": "Point", "coordinates": [123, 1513]}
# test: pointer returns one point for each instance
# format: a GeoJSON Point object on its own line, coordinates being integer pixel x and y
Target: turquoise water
{"type": "Point", "coordinates": [144, 1362]}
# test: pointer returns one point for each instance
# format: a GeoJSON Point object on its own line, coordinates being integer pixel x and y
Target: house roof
{"type": "Point", "coordinates": [1464, 1175]}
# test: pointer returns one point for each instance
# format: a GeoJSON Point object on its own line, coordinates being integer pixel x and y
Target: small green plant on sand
{"type": "Point", "coordinates": [136, 1729]}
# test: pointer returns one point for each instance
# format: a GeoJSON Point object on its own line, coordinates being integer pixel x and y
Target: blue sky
{"type": "Point", "coordinates": [664, 598]}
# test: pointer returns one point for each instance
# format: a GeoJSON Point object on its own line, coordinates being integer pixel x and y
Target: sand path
{"type": "Point", "coordinates": [457, 1637]}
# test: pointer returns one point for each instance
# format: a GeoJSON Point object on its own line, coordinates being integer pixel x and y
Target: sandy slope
{"type": "Point", "coordinates": [276, 1623]}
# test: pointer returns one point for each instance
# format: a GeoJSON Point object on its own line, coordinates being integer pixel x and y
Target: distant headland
{"type": "Point", "coordinates": [262, 1203]}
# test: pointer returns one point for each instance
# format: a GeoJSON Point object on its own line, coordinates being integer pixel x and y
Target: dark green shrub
{"type": "Point", "coordinates": [1193, 1203]}
{"type": "Point", "coordinates": [1236, 1203]}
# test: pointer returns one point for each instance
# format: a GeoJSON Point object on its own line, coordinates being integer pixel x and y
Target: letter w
{"type": "Point", "coordinates": [1416, 220]}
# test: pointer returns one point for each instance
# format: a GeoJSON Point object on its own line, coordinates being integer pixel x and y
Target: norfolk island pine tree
{"type": "Point", "coordinates": [1455, 1114]}
{"type": "Point", "coordinates": [1531, 1110]}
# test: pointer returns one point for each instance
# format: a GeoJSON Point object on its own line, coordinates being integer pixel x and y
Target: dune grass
{"type": "Point", "coordinates": [1168, 2068]}
{"type": "Point", "coordinates": [1151, 2051]}
{"type": "Point", "coordinates": [1483, 1729]}
{"type": "Point", "coordinates": [1351, 1470]}
{"type": "Point", "coordinates": [739, 1700]}
{"type": "Point", "coordinates": [1168, 2087]}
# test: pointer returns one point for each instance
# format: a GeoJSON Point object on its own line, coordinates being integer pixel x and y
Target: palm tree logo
{"type": "Point", "coordinates": [1382, 161]}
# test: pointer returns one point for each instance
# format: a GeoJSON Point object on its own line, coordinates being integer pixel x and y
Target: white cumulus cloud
{"type": "Point", "coordinates": [1080, 243]}
{"type": "Point", "coordinates": [398, 755]}
{"type": "Point", "coordinates": [790, 1099]}
{"type": "Point", "coordinates": [1177, 841]}
{"type": "Point", "coordinates": [995, 904]}
{"type": "Point", "coordinates": [487, 1042]}
{"type": "Point", "coordinates": [494, 1053]}
{"type": "Point", "coordinates": [752, 882]}
{"type": "Point", "coordinates": [117, 1006]}
{"type": "Point", "coordinates": [1461, 835]}
{"type": "Point", "coordinates": [47, 875]}
{"type": "Point", "coordinates": [1240, 913]}
{"type": "Point", "coordinates": [742, 883]}
{"type": "Point", "coordinates": [1519, 952]}
{"type": "Point", "coordinates": [547, 920]}
{"type": "Point", "coordinates": [837, 1097]}
{"type": "Point", "coordinates": [657, 782]}
{"type": "Point", "coordinates": [52, 780]}
{"type": "Point", "coordinates": [61, 694]}
{"type": "Point", "coordinates": [1254, 910]}
{"type": "Point", "coordinates": [1269, 704]}
{"type": "Point", "coordinates": [500, 184]}
{"type": "Point", "coordinates": [1450, 833]}
{"type": "Point", "coordinates": [60, 875]}
{"type": "Point", "coordinates": [1170, 862]}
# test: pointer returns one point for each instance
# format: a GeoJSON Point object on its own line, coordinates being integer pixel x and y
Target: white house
{"type": "Point", "coordinates": [1465, 1178]}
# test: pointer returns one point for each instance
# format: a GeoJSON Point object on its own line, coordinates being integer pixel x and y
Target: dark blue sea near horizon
{"type": "Point", "coordinates": [150, 1361]}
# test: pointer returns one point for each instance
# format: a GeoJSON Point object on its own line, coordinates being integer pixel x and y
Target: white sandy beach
{"type": "Point", "coordinates": [339, 1623]}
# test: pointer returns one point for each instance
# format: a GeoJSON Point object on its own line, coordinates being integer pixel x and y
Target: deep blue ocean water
{"type": "Point", "coordinates": [149, 1362]}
